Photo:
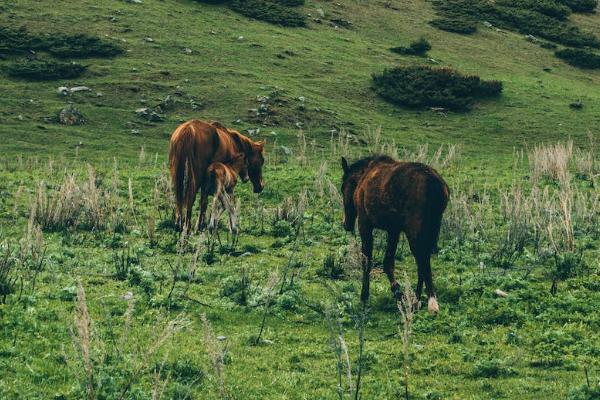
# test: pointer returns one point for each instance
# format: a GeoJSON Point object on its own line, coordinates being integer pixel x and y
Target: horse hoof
{"type": "Point", "coordinates": [432, 306]}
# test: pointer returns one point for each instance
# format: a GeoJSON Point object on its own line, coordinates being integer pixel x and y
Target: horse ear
{"type": "Point", "coordinates": [345, 166]}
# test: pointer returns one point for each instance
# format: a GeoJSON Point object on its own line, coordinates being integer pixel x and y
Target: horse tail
{"type": "Point", "coordinates": [182, 157]}
{"type": "Point", "coordinates": [437, 194]}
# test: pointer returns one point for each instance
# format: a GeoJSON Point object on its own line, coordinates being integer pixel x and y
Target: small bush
{"type": "Point", "coordinates": [579, 58]}
{"type": "Point", "coordinates": [424, 86]}
{"type": "Point", "coordinates": [42, 70]}
{"type": "Point", "coordinates": [548, 7]}
{"type": "Point", "coordinates": [525, 16]}
{"type": "Point", "coordinates": [417, 48]}
{"type": "Point", "coordinates": [331, 268]}
{"type": "Point", "coordinates": [269, 12]}
{"type": "Point", "coordinates": [456, 25]}
{"type": "Point", "coordinates": [580, 5]}
{"type": "Point", "coordinates": [491, 369]}
{"type": "Point", "coordinates": [14, 41]}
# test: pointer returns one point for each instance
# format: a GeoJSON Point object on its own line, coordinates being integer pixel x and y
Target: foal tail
{"type": "Point", "coordinates": [182, 158]}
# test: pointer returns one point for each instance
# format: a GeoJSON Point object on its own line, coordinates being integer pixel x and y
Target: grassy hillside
{"type": "Point", "coordinates": [101, 298]}
{"type": "Point", "coordinates": [234, 59]}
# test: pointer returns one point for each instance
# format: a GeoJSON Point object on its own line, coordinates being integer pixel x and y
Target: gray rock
{"type": "Point", "coordinates": [70, 115]}
{"type": "Point", "coordinates": [79, 89]}
{"type": "Point", "coordinates": [485, 23]}
{"type": "Point", "coordinates": [148, 114]}
{"type": "Point", "coordinates": [187, 50]}
{"type": "Point", "coordinates": [148, 39]}
{"type": "Point", "coordinates": [63, 91]}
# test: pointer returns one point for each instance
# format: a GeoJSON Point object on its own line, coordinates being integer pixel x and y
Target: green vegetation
{"type": "Point", "coordinates": [278, 12]}
{"type": "Point", "coordinates": [433, 87]}
{"type": "Point", "coordinates": [42, 69]}
{"type": "Point", "coordinates": [455, 24]}
{"type": "Point", "coordinates": [528, 17]}
{"type": "Point", "coordinates": [181, 317]}
{"type": "Point", "coordinates": [580, 58]}
{"type": "Point", "coordinates": [419, 47]}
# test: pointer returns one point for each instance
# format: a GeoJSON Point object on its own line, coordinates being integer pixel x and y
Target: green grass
{"type": "Point", "coordinates": [528, 346]}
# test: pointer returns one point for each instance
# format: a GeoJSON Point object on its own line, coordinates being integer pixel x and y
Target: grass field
{"type": "Point", "coordinates": [509, 225]}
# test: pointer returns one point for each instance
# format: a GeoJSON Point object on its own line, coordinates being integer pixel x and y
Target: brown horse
{"type": "Point", "coordinates": [396, 197]}
{"type": "Point", "coordinates": [194, 146]}
{"type": "Point", "coordinates": [222, 179]}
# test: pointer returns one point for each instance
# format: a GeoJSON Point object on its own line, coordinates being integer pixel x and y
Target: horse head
{"type": "Point", "coordinates": [255, 161]}
{"type": "Point", "coordinates": [349, 182]}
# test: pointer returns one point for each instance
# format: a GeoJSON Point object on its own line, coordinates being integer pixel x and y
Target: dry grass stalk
{"type": "Point", "coordinates": [551, 161]}
{"type": "Point", "coordinates": [83, 325]}
{"type": "Point", "coordinates": [215, 354]}
{"type": "Point", "coordinates": [406, 308]}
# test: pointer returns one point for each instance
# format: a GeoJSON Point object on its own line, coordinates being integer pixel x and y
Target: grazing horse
{"type": "Point", "coordinates": [396, 197]}
{"type": "Point", "coordinates": [222, 179]}
{"type": "Point", "coordinates": [194, 146]}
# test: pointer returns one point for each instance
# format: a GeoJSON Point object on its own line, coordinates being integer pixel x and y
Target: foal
{"type": "Point", "coordinates": [396, 197]}
{"type": "Point", "coordinates": [222, 178]}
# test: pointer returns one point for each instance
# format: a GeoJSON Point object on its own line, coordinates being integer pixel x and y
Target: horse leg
{"type": "Point", "coordinates": [189, 206]}
{"type": "Point", "coordinates": [201, 224]}
{"type": "Point", "coordinates": [388, 262]}
{"type": "Point", "coordinates": [424, 262]}
{"type": "Point", "coordinates": [366, 235]}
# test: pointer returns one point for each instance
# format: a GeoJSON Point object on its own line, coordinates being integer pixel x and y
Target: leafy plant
{"type": "Point", "coordinates": [580, 58]}
{"type": "Point", "coordinates": [419, 47]}
{"type": "Point", "coordinates": [424, 86]}
{"type": "Point", "coordinates": [44, 69]}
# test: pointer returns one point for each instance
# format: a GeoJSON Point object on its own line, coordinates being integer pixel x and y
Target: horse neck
{"type": "Point", "coordinates": [243, 144]}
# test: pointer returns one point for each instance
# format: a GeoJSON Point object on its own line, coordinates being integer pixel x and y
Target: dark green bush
{"type": "Point", "coordinates": [456, 25]}
{"type": "Point", "coordinates": [580, 58]}
{"type": "Point", "coordinates": [269, 12]}
{"type": "Point", "coordinates": [458, 14]}
{"type": "Point", "coordinates": [41, 70]}
{"type": "Point", "coordinates": [289, 3]}
{"type": "Point", "coordinates": [81, 46]}
{"type": "Point", "coordinates": [424, 86]}
{"type": "Point", "coordinates": [14, 41]}
{"type": "Point", "coordinates": [548, 7]}
{"type": "Point", "coordinates": [417, 48]}
{"type": "Point", "coordinates": [580, 5]}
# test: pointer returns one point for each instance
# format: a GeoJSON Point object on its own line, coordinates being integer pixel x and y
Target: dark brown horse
{"type": "Point", "coordinates": [396, 197]}
{"type": "Point", "coordinates": [194, 146]}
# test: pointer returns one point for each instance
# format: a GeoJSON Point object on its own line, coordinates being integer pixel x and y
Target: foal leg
{"type": "Point", "coordinates": [366, 235]}
{"type": "Point", "coordinates": [388, 262]}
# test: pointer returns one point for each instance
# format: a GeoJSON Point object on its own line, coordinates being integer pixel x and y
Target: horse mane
{"type": "Point", "coordinates": [243, 143]}
{"type": "Point", "coordinates": [364, 162]}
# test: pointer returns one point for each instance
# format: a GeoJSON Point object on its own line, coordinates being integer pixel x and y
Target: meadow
{"type": "Point", "coordinates": [102, 298]}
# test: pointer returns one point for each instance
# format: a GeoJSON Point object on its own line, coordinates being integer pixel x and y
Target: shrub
{"type": "Point", "coordinates": [579, 58]}
{"type": "Point", "coordinates": [42, 70]}
{"type": "Point", "coordinates": [580, 5]}
{"type": "Point", "coordinates": [269, 12]}
{"type": "Point", "coordinates": [424, 86]}
{"type": "Point", "coordinates": [548, 7]}
{"type": "Point", "coordinates": [331, 268]}
{"type": "Point", "coordinates": [14, 41]}
{"type": "Point", "coordinates": [491, 369]}
{"type": "Point", "coordinates": [525, 16]}
{"type": "Point", "coordinates": [289, 3]}
{"type": "Point", "coordinates": [456, 25]}
{"type": "Point", "coordinates": [81, 46]}
{"type": "Point", "coordinates": [417, 48]}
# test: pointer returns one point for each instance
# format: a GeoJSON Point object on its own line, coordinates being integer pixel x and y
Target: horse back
{"type": "Point", "coordinates": [392, 193]}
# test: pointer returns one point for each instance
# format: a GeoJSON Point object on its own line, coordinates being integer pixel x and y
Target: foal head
{"type": "Point", "coordinates": [239, 165]}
